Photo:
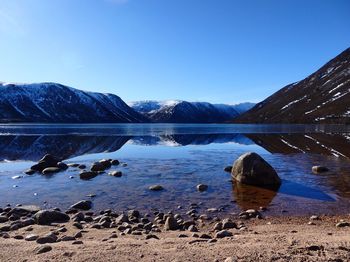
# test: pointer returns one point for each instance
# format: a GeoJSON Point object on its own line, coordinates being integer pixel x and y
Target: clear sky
{"type": "Point", "coordinates": [197, 50]}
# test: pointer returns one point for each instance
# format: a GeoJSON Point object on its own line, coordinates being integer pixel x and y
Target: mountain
{"type": "Point", "coordinates": [323, 97]}
{"type": "Point", "coordinates": [175, 111]}
{"type": "Point", "coordinates": [56, 103]}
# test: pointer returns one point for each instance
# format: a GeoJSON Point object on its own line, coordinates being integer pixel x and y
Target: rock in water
{"type": "Point", "coordinates": [83, 205]}
{"type": "Point", "coordinates": [319, 169]}
{"type": "Point", "coordinates": [202, 187]}
{"type": "Point", "coordinates": [51, 170]}
{"type": "Point", "coordinates": [88, 175]}
{"type": "Point", "coordinates": [46, 217]}
{"type": "Point", "coordinates": [156, 188]}
{"type": "Point", "coordinates": [252, 169]}
{"type": "Point", "coordinates": [171, 223]}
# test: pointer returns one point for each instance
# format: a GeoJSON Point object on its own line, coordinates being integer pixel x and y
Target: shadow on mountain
{"type": "Point", "coordinates": [318, 143]}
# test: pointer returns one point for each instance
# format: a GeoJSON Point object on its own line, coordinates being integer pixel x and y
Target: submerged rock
{"type": "Point", "coordinates": [252, 169]}
{"type": "Point", "coordinates": [156, 188]}
{"type": "Point", "coordinates": [319, 169]}
{"type": "Point", "coordinates": [115, 173]}
{"type": "Point", "coordinates": [88, 175]}
{"type": "Point", "coordinates": [202, 187]}
{"type": "Point", "coordinates": [51, 170]}
{"type": "Point", "coordinates": [83, 205]}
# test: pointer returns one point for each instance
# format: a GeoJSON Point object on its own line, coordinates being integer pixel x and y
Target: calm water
{"type": "Point", "coordinates": [179, 157]}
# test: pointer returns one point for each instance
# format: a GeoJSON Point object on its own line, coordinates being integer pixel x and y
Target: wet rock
{"type": "Point", "coordinates": [82, 166]}
{"type": "Point", "coordinates": [25, 210]}
{"type": "Point", "coordinates": [29, 172]}
{"type": "Point", "coordinates": [88, 175]}
{"type": "Point", "coordinates": [319, 169]}
{"type": "Point", "coordinates": [42, 249]}
{"type": "Point", "coordinates": [102, 165]}
{"type": "Point", "coordinates": [62, 166]}
{"type": "Point", "coordinates": [223, 233]}
{"type": "Point", "coordinates": [171, 223]}
{"type": "Point", "coordinates": [228, 169]}
{"type": "Point", "coordinates": [47, 161]}
{"type": "Point", "coordinates": [67, 238]}
{"type": "Point", "coordinates": [133, 213]}
{"type": "Point", "coordinates": [73, 165]}
{"type": "Point", "coordinates": [114, 162]}
{"type": "Point", "coordinates": [51, 170]}
{"type": "Point", "coordinates": [156, 188]}
{"type": "Point", "coordinates": [82, 204]}
{"type": "Point", "coordinates": [115, 173]}
{"type": "Point", "coordinates": [252, 169]}
{"type": "Point", "coordinates": [31, 237]}
{"type": "Point", "coordinates": [46, 217]}
{"type": "Point", "coordinates": [202, 187]}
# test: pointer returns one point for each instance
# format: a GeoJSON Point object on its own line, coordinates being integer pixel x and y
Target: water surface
{"type": "Point", "coordinates": [179, 157]}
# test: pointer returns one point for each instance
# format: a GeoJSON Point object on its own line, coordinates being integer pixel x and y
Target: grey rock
{"type": "Point", "coordinates": [42, 249]}
{"type": "Point", "coordinates": [156, 188]}
{"type": "Point", "coordinates": [171, 223]}
{"type": "Point", "coordinates": [46, 217]}
{"type": "Point", "coordinates": [82, 204]}
{"type": "Point", "coordinates": [202, 187]}
{"type": "Point", "coordinates": [51, 170]}
{"type": "Point", "coordinates": [223, 233]}
{"type": "Point", "coordinates": [31, 237]}
{"type": "Point", "coordinates": [115, 173]}
{"type": "Point", "coordinates": [252, 169]}
{"type": "Point", "coordinates": [319, 169]}
{"type": "Point", "coordinates": [88, 175]}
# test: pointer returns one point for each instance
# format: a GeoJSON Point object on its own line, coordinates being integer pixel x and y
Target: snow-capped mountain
{"type": "Point", "coordinates": [177, 111]}
{"type": "Point", "coordinates": [56, 103]}
{"type": "Point", "coordinates": [323, 97]}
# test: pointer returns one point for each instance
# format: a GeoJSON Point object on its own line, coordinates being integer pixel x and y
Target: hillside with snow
{"type": "Point", "coordinates": [56, 103]}
{"type": "Point", "coordinates": [323, 97]}
{"type": "Point", "coordinates": [177, 111]}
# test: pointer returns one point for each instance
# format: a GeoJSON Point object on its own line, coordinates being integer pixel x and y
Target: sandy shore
{"type": "Point", "coordinates": [270, 239]}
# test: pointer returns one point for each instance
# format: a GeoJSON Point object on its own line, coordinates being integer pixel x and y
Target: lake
{"type": "Point", "coordinates": [178, 157]}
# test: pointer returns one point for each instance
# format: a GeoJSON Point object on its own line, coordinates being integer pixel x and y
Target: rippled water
{"type": "Point", "coordinates": [179, 157]}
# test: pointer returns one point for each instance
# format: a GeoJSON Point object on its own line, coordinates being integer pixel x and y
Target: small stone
{"type": "Point", "coordinates": [31, 237]}
{"type": "Point", "coordinates": [319, 169]}
{"type": "Point", "coordinates": [51, 170]}
{"type": "Point", "coordinates": [67, 238]}
{"type": "Point", "coordinates": [62, 166]}
{"type": "Point", "coordinates": [228, 169]}
{"type": "Point", "coordinates": [78, 235]}
{"type": "Point", "coordinates": [42, 249]}
{"type": "Point", "coordinates": [156, 188]}
{"type": "Point", "coordinates": [212, 240]}
{"type": "Point", "coordinates": [77, 242]}
{"type": "Point", "coordinates": [18, 237]}
{"type": "Point", "coordinates": [205, 236]}
{"type": "Point", "coordinates": [114, 162]}
{"type": "Point", "coordinates": [150, 236]}
{"type": "Point", "coordinates": [182, 236]}
{"type": "Point", "coordinates": [171, 223]}
{"type": "Point", "coordinates": [228, 224]}
{"type": "Point", "coordinates": [202, 187]}
{"type": "Point", "coordinates": [83, 205]}
{"type": "Point", "coordinates": [29, 172]}
{"type": "Point", "coordinates": [88, 175]}
{"type": "Point", "coordinates": [314, 218]}
{"type": "Point", "coordinates": [223, 233]}
{"type": "Point", "coordinates": [115, 173]}
{"type": "Point", "coordinates": [342, 224]}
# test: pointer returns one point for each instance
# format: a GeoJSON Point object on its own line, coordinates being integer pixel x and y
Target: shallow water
{"type": "Point", "coordinates": [179, 157]}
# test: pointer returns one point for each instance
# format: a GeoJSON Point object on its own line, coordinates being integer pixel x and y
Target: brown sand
{"type": "Point", "coordinates": [285, 239]}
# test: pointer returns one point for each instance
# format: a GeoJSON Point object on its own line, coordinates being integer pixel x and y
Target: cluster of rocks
{"type": "Point", "coordinates": [50, 164]}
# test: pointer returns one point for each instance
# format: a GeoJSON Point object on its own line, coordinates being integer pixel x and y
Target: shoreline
{"type": "Point", "coordinates": [156, 236]}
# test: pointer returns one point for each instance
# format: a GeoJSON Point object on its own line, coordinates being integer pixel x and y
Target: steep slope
{"type": "Point", "coordinates": [323, 97]}
{"type": "Point", "coordinates": [56, 103]}
{"type": "Point", "coordinates": [174, 111]}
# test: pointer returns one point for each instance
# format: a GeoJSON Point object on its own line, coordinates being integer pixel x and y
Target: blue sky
{"type": "Point", "coordinates": [198, 50]}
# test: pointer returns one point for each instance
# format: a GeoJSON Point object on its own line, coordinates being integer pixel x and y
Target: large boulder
{"type": "Point", "coordinates": [47, 161]}
{"type": "Point", "coordinates": [252, 169]}
{"type": "Point", "coordinates": [46, 217]}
